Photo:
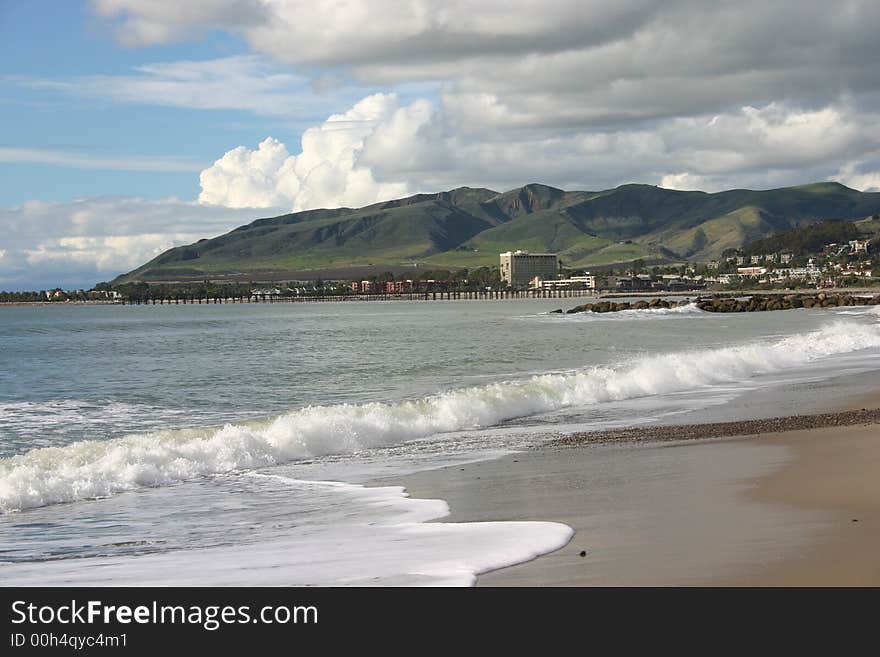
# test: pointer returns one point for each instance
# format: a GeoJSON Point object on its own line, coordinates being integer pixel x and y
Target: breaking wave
{"type": "Point", "coordinates": [90, 469]}
{"type": "Point", "coordinates": [690, 309]}
{"type": "Point", "coordinates": [646, 313]}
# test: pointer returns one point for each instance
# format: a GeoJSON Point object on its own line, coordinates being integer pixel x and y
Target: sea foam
{"type": "Point", "coordinates": [386, 536]}
{"type": "Point", "coordinates": [90, 469]}
{"type": "Point", "coordinates": [690, 309]}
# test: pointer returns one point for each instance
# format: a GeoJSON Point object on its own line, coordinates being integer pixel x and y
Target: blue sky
{"type": "Point", "coordinates": [47, 41]}
{"type": "Point", "coordinates": [131, 126]}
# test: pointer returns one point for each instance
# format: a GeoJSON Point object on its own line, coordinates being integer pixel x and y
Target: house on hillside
{"type": "Point", "coordinates": [859, 246]}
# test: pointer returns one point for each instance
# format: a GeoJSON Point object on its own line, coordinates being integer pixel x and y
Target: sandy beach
{"type": "Point", "coordinates": [835, 470]}
{"type": "Point", "coordinates": [791, 501]}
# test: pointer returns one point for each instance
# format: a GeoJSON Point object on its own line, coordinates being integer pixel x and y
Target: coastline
{"type": "Point", "coordinates": [732, 429]}
{"type": "Point", "coordinates": [457, 296]}
{"type": "Point", "coordinates": [787, 501]}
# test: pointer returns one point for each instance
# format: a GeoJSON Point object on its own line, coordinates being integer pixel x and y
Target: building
{"type": "Point", "coordinates": [861, 273]}
{"type": "Point", "coordinates": [587, 282]}
{"type": "Point", "coordinates": [640, 282]}
{"type": "Point", "coordinates": [520, 267]}
{"type": "Point", "coordinates": [398, 287]}
{"type": "Point", "coordinates": [859, 246]}
{"type": "Point", "coordinates": [366, 287]}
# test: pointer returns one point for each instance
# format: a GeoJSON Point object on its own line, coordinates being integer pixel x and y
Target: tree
{"type": "Point", "coordinates": [700, 240]}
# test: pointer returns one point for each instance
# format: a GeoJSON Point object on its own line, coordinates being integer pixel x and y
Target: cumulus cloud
{"type": "Point", "coordinates": [326, 173]}
{"type": "Point", "coordinates": [79, 243]}
{"type": "Point", "coordinates": [381, 149]}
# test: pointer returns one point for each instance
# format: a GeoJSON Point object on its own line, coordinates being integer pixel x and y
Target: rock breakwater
{"type": "Point", "coordinates": [617, 306]}
{"type": "Point", "coordinates": [732, 304]}
{"type": "Point", "coordinates": [760, 303]}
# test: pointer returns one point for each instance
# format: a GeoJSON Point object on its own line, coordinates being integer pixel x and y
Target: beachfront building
{"type": "Point", "coordinates": [586, 282]}
{"type": "Point", "coordinates": [520, 267]}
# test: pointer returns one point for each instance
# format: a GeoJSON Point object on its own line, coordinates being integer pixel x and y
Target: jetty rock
{"type": "Point", "coordinates": [617, 306]}
{"type": "Point", "coordinates": [740, 304]}
{"type": "Point", "coordinates": [763, 303]}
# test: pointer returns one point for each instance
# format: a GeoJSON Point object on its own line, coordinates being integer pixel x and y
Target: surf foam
{"type": "Point", "coordinates": [644, 313]}
{"type": "Point", "coordinates": [386, 536]}
{"type": "Point", "coordinates": [90, 469]}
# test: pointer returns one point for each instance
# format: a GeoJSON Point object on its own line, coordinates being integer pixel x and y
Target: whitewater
{"type": "Point", "coordinates": [89, 469]}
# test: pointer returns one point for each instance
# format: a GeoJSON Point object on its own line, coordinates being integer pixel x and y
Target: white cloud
{"type": "Point", "coordinates": [79, 243]}
{"type": "Point", "coordinates": [857, 176]}
{"type": "Point", "coordinates": [240, 82]}
{"type": "Point", "coordinates": [330, 32]}
{"type": "Point", "coordinates": [573, 93]}
{"type": "Point", "coordinates": [380, 150]}
{"type": "Point", "coordinates": [570, 92]}
{"type": "Point", "coordinates": [683, 181]}
{"type": "Point", "coordinates": [160, 21]}
{"type": "Point", "coordinates": [326, 173]}
{"type": "Point", "coordinates": [558, 61]}
{"type": "Point", "coordinates": [81, 161]}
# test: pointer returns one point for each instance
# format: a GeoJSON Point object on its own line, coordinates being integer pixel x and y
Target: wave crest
{"type": "Point", "coordinates": [90, 469]}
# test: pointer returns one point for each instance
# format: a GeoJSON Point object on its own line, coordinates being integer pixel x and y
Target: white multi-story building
{"type": "Point", "coordinates": [518, 268]}
{"type": "Point", "coordinates": [587, 282]}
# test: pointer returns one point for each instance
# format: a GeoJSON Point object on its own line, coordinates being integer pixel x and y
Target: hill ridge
{"type": "Point", "coordinates": [469, 226]}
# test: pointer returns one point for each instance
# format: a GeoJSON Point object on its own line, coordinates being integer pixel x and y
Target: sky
{"type": "Point", "coordinates": [131, 126]}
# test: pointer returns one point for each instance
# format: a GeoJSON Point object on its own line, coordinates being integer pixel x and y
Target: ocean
{"type": "Point", "coordinates": [240, 444]}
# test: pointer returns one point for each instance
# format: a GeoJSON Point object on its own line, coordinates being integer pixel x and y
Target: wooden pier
{"type": "Point", "coordinates": [461, 295]}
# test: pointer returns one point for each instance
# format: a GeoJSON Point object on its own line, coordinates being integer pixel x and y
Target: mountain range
{"type": "Point", "coordinates": [469, 227]}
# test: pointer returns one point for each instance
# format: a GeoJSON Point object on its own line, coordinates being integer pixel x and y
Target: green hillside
{"type": "Point", "coordinates": [468, 227]}
{"type": "Point", "coordinates": [813, 238]}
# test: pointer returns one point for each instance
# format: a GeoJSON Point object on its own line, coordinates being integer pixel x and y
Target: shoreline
{"type": "Point", "coordinates": [730, 429]}
{"type": "Point", "coordinates": [788, 501]}
{"type": "Point", "coordinates": [451, 296]}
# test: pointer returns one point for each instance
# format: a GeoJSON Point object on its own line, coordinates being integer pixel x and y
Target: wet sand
{"type": "Point", "coordinates": [835, 470]}
{"type": "Point", "coordinates": [782, 504]}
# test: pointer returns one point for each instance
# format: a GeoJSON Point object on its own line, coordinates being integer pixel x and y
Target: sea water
{"type": "Point", "coordinates": [231, 444]}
